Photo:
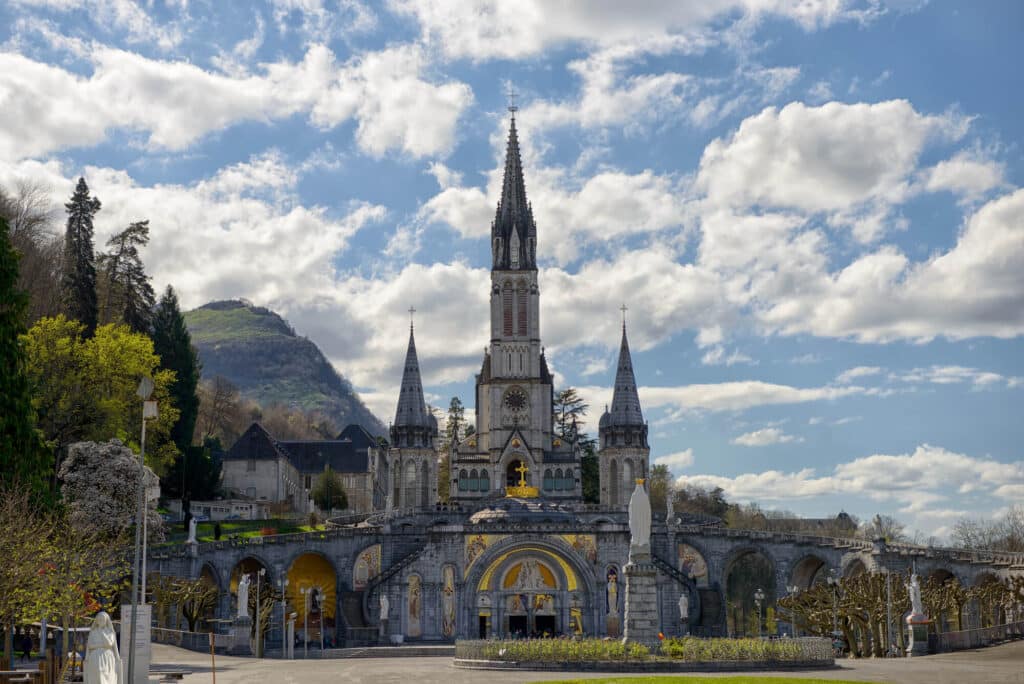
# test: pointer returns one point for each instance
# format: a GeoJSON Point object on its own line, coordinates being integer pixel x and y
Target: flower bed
{"type": "Point", "coordinates": [550, 650]}
{"type": "Point", "coordinates": [692, 649]}
{"type": "Point", "coordinates": [685, 654]}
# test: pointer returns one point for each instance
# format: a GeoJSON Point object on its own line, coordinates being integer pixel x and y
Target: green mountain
{"type": "Point", "coordinates": [260, 353]}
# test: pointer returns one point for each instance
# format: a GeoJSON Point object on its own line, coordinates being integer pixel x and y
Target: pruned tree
{"type": "Point", "coordinates": [221, 414]}
{"type": "Point", "coordinates": [884, 527]}
{"type": "Point", "coordinates": [196, 599]}
{"type": "Point", "coordinates": [78, 283]}
{"type": "Point", "coordinates": [129, 296]}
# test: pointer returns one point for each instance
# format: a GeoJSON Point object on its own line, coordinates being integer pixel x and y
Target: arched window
{"type": "Point", "coordinates": [558, 479]}
{"type": "Point", "coordinates": [548, 482]}
{"type": "Point", "coordinates": [521, 300]}
{"type": "Point", "coordinates": [463, 481]}
{"type": "Point", "coordinates": [613, 483]}
{"type": "Point", "coordinates": [424, 484]}
{"type": "Point", "coordinates": [485, 481]}
{"type": "Point", "coordinates": [474, 481]}
{"type": "Point", "coordinates": [506, 309]}
{"type": "Point", "coordinates": [629, 477]}
{"type": "Point", "coordinates": [409, 486]}
{"type": "Point", "coordinates": [513, 249]}
{"type": "Point", "coordinates": [512, 474]}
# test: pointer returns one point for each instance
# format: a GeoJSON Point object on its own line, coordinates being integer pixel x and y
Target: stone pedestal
{"type": "Point", "coordinates": [611, 623]}
{"type": "Point", "coordinates": [641, 618]}
{"type": "Point", "coordinates": [240, 645]}
{"type": "Point", "coordinates": [917, 635]}
{"type": "Point", "coordinates": [143, 632]}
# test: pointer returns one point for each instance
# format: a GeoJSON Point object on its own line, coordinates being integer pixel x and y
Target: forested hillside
{"type": "Point", "coordinates": [259, 352]}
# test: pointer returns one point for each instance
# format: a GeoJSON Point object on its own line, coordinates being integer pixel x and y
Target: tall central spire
{"type": "Point", "coordinates": [412, 409]}
{"type": "Point", "coordinates": [514, 233]}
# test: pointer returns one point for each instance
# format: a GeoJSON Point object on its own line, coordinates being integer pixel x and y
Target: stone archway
{"type": "Point", "coordinates": [748, 570]}
{"type": "Point", "coordinates": [312, 593]}
{"type": "Point", "coordinates": [531, 587]}
{"type": "Point", "coordinates": [808, 571]}
{"type": "Point", "coordinates": [855, 568]}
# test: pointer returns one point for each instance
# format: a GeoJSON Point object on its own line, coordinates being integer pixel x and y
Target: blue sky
{"type": "Point", "coordinates": [812, 209]}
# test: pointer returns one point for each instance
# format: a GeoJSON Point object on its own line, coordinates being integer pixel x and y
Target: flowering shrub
{"type": "Point", "coordinates": [550, 650]}
{"type": "Point", "coordinates": [707, 650]}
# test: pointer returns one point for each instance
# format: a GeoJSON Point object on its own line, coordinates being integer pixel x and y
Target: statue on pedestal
{"type": "Point", "coordinates": [385, 606]}
{"type": "Point", "coordinates": [102, 659]}
{"type": "Point", "coordinates": [914, 589]}
{"type": "Point", "coordinates": [639, 517]}
{"type": "Point", "coordinates": [191, 532]}
{"type": "Point", "coordinates": [684, 606]}
{"type": "Point", "coordinates": [243, 596]}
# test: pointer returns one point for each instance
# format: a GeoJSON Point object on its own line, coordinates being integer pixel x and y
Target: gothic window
{"type": "Point", "coordinates": [513, 249]}
{"type": "Point", "coordinates": [409, 486]}
{"type": "Point", "coordinates": [474, 481]}
{"type": "Point", "coordinates": [521, 297]}
{"type": "Point", "coordinates": [613, 483]}
{"type": "Point", "coordinates": [548, 482]}
{"type": "Point", "coordinates": [506, 309]}
{"type": "Point", "coordinates": [424, 484]}
{"type": "Point", "coordinates": [463, 481]}
{"type": "Point", "coordinates": [485, 481]}
{"type": "Point", "coordinates": [627, 470]}
{"type": "Point", "coordinates": [558, 479]}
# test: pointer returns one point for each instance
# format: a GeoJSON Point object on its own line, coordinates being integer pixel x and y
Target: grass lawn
{"type": "Point", "coordinates": [678, 679]}
{"type": "Point", "coordinates": [237, 528]}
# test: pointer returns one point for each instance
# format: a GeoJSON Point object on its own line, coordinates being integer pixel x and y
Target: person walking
{"type": "Point", "coordinates": [26, 646]}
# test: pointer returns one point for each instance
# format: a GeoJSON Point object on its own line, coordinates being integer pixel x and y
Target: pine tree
{"type": "Point", "coordinates": [173, 344]}
{"type": "Point", "coordinates": [24, 459]}
{"type": "Point", "coordinates": [129, 297]}
{"type": "Point", "coordinates": [78, 284]}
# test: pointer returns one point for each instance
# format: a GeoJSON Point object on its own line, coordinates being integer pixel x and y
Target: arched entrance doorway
{"type": "Point", "coordinates": [529, 591]}
{"type": "Point", "coordinates": [515, 472]}
{"type": "Point", "coordinates": [311, 594]}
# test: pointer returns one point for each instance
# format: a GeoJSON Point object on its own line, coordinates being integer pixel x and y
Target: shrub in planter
{"type": "Point", "coordinates": [706, 650]}
{"type": "Point", "coordinates": [552, 650]}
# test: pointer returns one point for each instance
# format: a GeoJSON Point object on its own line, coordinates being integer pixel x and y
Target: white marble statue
{"type": "Point", "coordinates": [670, 513]}
{"type": "Point", "coordinates": [243, 596]}
{"type": "Point", "coordinates": [613, 594]}
{"type": "Point", "coordinates": [191, 532]}
{"type": "Point", "coordinates": [385, 606]}
{"type": "Point", "coordinates": [684, 606]}
{"type": "Point", "coordinates": [639, 516]}
{"type": "Point", "coordinates": [102, 659]}
{"type": "Point", "coordinates": [914, 589]}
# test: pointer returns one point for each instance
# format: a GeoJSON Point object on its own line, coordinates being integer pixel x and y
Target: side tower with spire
{"type": "Point", "coordinates": [412, 456]}
{"type": "Point", "coordinates": [624, 454]}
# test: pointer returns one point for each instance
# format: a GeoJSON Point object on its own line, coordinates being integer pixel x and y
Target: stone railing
{"type": "Point", "coordinates": [193, 641]}
{"type": "Point", "coordinates": [976, 638]}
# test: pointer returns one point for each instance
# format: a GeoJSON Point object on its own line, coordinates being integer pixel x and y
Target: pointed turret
{"type": "Point", "coordinates": [625, 400]}
{"type": "Point", "coordinates": [514, 233]}
{"type": "Point", "coordinates": [412, 409]}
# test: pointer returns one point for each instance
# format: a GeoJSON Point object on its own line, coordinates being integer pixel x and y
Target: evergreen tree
{"type": "Point", "coordinates": [129, 296]}
{"type": "Point", "coordinates": [173, 344]}
{"type": "Point", "coordinates": [328, 493]}
{"type": "Point", "coordinates": [24, 459]}
{"type": "Point", "coordinates": [78, 284]}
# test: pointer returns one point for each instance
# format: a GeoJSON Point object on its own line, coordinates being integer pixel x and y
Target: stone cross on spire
{"type": "Point", "coordinates": [513, 232]}
{"type": "Point", "coordinates": [412, 408]}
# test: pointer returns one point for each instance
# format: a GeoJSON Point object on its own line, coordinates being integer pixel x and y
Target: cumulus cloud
{"type": "Point", "coordinates": [765, 437]}
{"type": "Point", "coordinates": [678, 460]}
{"type": "Point", "coordinates": [174, 103]}
{"type": "Point", "coordinates": [126, 16]}
{"type": "Point", "coordinates": [514, 29]}
{"type": "Point", "coordinates": [918, 482]}
{"type": "Point", "coordinates": [966, 174]}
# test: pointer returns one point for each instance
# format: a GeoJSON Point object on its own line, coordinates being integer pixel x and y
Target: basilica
{"type": "Point", "coordinates": [515, 550]}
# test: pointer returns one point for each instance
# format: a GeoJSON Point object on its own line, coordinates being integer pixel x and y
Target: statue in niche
{"type": "Point", "coordinates": [243, 596]}
{"type": "Point", "coordinates": [613, 592]}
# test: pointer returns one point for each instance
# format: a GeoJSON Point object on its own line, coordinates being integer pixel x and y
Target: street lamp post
{"type": "Point", "coordinates": [284, 618]}
{"type": "Point", "coordinates": [259, 622]}
{"type": "Point", "coordinates": [793, 590]}
{"type": "Point", "coordinates": [890, 651]}
{"type": "Point", "coordinates": [833, 583]}
{"type": "Point", "coordinates": [759, 601]}
{"type": "Point", "coordinates": [149, 410]}
{"type": "Point", "coordinates": [305, 622]}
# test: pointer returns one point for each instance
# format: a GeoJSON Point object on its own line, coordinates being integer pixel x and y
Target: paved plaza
{"type": "Point", "coordinates": [996, 665]}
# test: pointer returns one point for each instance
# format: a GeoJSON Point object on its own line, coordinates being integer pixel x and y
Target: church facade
{"type": "Point", "coordinates": [516, 551]}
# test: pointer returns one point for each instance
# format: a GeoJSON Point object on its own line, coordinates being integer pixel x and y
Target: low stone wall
{"type": "Point", "coordinates": [977, 638]}
{"type": "Point", "coordinates": [192, 641]}
{"type": "Point", "coordinates": [659, 665]}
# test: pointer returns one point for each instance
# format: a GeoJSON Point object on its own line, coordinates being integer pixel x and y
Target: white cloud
{"type": "Point", "coordinates": [514, 29]}
{"type": "Point", "coordinates": [124, 15]}
{"type": "Point", "coordinates": [321, 20]}
{"type": "Point", "coordinates": [821, 91]}
{"type": "Point", "coordinates": [919, 482]}
{"type": "Point", "coordinates": [848, 376]}
{"type": "Point", "coordinates": [952, 375]}
{"type": "Point", "coordinates": [765, 437]}
{"type": "Point", "coordinates": [718, 356]}
{"type": "Point", "coordinates": [965, 174]}
{"type": "Point", "coordinates": [678, 460]}
{"type": "Point", "coordinates": [176, 103]}
{"type": "Point", "coordinates": [846, 161]}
